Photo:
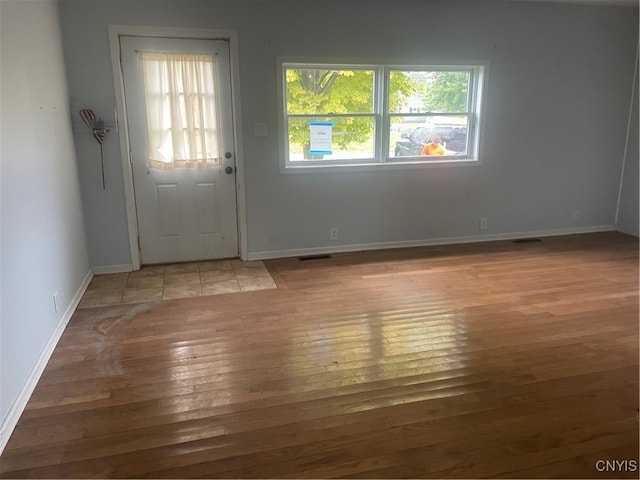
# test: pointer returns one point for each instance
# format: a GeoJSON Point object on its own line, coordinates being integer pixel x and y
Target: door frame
{"type": "Point", "coordinates": [115, 32]}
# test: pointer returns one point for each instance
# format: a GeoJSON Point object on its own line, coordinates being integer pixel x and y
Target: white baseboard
{"type": "Point", "coordinates": [11, 420]}
{"type": "Point", "coordinates": [300, 252]}
{"type": "Point", "coordinates": [106, 269]}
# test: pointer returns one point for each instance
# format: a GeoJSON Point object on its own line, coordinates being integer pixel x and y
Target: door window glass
{"type": "Point", "coordinates": [181, 109]}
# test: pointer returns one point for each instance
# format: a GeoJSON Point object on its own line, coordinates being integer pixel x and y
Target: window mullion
{"type": "Point", "coordinates": [385, 122]}
{"type": "Point", "coordinates": [472, 136]}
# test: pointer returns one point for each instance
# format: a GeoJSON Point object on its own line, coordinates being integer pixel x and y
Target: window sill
{"type": "Point", "coordinates": [408, 164]}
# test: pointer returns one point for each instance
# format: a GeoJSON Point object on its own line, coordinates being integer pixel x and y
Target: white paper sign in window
{"type": "Point", "coordinates": [320, 139]}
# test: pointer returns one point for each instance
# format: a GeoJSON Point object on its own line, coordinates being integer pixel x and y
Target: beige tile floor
{"type": "Point", "coordinates": [183, 280]}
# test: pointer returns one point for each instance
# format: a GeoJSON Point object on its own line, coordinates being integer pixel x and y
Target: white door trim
{"type": "Point", "coordinates": [115, 32]}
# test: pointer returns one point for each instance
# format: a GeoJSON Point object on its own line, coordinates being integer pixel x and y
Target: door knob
{"type": "Point", "coordinates": [227, 155]}
{"type": "Point", "coordinates": [228, 170]}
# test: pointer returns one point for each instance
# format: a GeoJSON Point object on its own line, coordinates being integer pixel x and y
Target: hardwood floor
{"type": "Point", "coordinates": [498, 359]}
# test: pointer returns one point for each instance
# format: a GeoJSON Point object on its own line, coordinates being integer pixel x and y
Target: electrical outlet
{"type": "Point", "coordinates": [55, 302]}
{"type": "Point", "coordinates": [333, 233]}
{"type": "Point", "coordinates": [483, 223]}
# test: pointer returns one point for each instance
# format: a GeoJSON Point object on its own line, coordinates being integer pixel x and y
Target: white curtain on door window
{"type": "Point", "coordinates": [180, 94]}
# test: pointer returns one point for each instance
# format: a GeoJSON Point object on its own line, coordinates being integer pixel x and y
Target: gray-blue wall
{"type": "Point", "coordinates": [555, 117]}
{"type": "Point", "coordinates": [43, 243]}
{"type": "Point", "coordinates": [628, 215]}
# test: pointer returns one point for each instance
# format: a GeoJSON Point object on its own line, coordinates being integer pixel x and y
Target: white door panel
{"type": "Point", "coordinates": [184, 214]}
{"type": "Point", "coordinates": [168, 209]}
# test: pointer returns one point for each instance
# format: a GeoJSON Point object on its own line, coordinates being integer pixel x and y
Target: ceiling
{"type": "Point", "coordinates": [627, 3]}
{"type": "Point", "coordinates": [612, 3]}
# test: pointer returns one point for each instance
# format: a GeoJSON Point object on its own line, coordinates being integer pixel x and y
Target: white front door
{"type": "Point", "coordinates": [179, 115]}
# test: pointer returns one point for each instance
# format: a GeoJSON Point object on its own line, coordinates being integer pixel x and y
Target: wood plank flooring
{"type": "Point", "coordinates": [496, 359]}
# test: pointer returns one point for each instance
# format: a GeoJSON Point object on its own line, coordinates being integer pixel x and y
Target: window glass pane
{"type": "Point", "coordinates": [351, 138]}
{"type": "Point", "coordinates": [317, 90]}
{"type": "Point", "coordinates": [409, 135]}
{"type": "Point", "coordinates": [429, 91]}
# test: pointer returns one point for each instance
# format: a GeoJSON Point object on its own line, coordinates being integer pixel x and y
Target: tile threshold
{"type": "Point", "coordinates": [173, 281]}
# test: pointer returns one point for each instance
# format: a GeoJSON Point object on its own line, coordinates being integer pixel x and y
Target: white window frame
{"type": "Point", "coordinates": [382, 117]}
